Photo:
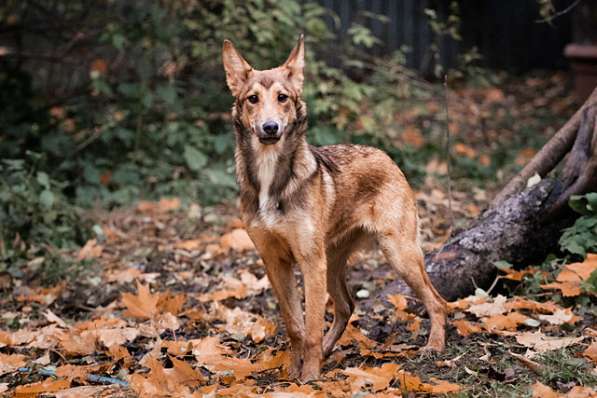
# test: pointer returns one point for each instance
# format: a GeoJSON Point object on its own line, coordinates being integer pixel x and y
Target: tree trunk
{"type": "Point", "coordinates": [523, 225]}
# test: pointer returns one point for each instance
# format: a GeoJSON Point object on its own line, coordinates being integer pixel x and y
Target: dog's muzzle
{"type": "Point", "coordinates": [269, 133]}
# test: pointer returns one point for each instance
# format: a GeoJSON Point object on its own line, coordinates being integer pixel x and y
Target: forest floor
{"type": "Point", "coordinates": [171, 299]}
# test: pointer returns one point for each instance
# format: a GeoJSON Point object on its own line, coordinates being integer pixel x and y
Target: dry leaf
{"type": "Point", "coordinates": [48, 385]}
{"type": "Point", "coordinates": [560, 317]}
{"type": "Point", "coordinates": [379, 378]}
{"type": "Point", "coordinates": [504, 322]}
{"type": "Point", "coordinates": [591, 352]}
{"type": "Point", "coordinates": [10, 363]}
{"type": "Point", "coordinates": [571, 276]}
{"type": "Point", "coordinates": [237, 240]}
{"type": "Point", "coordinates": [91, 250]}
{"type": "Point", "coordinates": [465, 327]}
{"type": "Point", "coordinates": [495, 307]}
{"type": "Point", "coordinates": [142, 305]}
{"type": "Point", "coordinates": [542, 343]}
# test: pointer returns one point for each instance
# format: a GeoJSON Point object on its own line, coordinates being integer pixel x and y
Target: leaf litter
{"type": "Point", "coordinates": [176, 303]}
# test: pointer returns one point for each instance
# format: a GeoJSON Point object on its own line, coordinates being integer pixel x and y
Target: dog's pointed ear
{"type": "Point", "coordinates": [295, 64]}
{"type": "Point", "coordinates": [237, 69]}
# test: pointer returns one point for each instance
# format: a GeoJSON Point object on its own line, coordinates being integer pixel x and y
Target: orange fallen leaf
{"type": "Point", "coordinates": [413, 383]}
{"type": "Point", "coordinates": [237, 240]}
{"type": "Point", "coordinates": [378, 377]}
{"type": "Point", "coordinates": [73, 372]}
{"type": "Point", "coordinates": [466, 328]}
{"type": "Point", "coordinates": [189, 245]}
{"type": "Point", "coordinates": [91, 250]}
{"type": "Point", "coordinates": [142, 305]}
{"type": "Point", "coordinates": [465, 150]}
{"type": "Point", "coordinates": [171, 303]}
{"type": "Point", "coordinates": [571, 276]}
{"type": "Point", "coordinates": [165, 205]}
{"type": "Point", "coordinates": [504, 322]}
{"type": "Point", "coordinates": [591, 352]}
{"type": "Point", "coordinates": [519, 303]}
{"type": "Point", "coordinates": [11, 362]}
{"type": "Point", "coordinates": [398, 301]}
{"type": "Point", "coordinates": [34, 389]}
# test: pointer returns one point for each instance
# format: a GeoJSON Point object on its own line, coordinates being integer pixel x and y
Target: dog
{"type": "Point", "coordinates": [314, 206]}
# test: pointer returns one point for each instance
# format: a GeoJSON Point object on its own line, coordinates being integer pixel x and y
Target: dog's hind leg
{"type": "Point", "coordinates": [343, 303]}
{"type": "Point", "coordinates": [407, 257]}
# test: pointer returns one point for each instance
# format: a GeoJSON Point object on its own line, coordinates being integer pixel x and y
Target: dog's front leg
{"type": "Point", "coordinates": [279, 270]}
{"type": "Point", "coordinates": [313, 267]}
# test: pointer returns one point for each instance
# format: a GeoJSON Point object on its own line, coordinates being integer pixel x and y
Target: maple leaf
{"type": "Point", "coordinates": [142, 305]}
{"type": "Point", "coordinates": [504, 322]}
{"type": "Point", "coordinates": [570, 277]}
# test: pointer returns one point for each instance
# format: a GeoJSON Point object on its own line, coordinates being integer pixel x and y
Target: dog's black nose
{"type": "Point", "coordinates": [270, 128]}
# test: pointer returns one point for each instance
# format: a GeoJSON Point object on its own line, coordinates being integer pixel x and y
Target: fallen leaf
{"type": "Point", "coordinates": [142, 305]}
{"type": "Point", "coordinates": [466, 328]}
{"type": "Point", "coordinates": [540, 390]}
{"type": "Point", "coordinates": [560, 317]}
{"type": "Point", "coordinates": [503, 322]}
{"type": "Point", "coordinates": [237, 240]}
{"type": "Point", "coordinates": [73, 372]}
{"type": "Point", "coordinates": [34, 389]}
{"type": "Point", "coordinates": [124, 276]}
{"type": "Point", "coordinates": [91, 391]}
{"type": "Point", "coordinates": [379, 377]}
{"type": "Point", "coordinates": [591, 352]}
{"type": "Point", "coordinates": [542, 343]}
{"type": "Point", "coordinates": [11, 362]}
{"type": "Point", "coordinates": [111, 337]}
{"type": "Point", "coordinates": [91, 250]}
{"type": "Point", "coordinates": [495, 307]}
{"type": "Point", "coordinates": [398, 301]}
{"type": "Point", "coordinates": [571, 276]}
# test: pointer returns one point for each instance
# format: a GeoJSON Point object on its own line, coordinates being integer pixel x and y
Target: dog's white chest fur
{"type": "Point", "coordinates": [266, 162]}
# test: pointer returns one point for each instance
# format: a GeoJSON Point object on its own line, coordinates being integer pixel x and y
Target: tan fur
{"type": "Point", "coordinates": [314, 206]}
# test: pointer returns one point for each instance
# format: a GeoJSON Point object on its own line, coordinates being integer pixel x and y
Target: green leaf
{"type": "Point", "coordinates": [46, 198]}
{"type": "Point", "coordinates": [502, 265]}
{"type": "Point", "coordinates": [43, 179]}
{"type": "Point", "coordinates": [195, 159]}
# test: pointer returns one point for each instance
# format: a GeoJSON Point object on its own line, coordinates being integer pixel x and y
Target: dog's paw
{"type": "Point", "coordinates": [307, 376]}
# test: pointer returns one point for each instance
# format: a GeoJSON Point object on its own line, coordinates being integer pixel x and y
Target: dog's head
{"type": "Point", "coordinates": [267, 101]}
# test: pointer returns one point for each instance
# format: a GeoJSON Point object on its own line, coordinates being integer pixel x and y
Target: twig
{"type": "Point", "coordinates": [559, 13]}
{"type": "Point", "coordinates": [90, 377]}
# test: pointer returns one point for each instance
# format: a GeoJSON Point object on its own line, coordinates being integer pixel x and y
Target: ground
{"type": "Point", "coordinates": [170, 299]}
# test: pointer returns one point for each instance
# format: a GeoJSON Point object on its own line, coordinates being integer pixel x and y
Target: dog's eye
{"type": "Point", "coordinates": [253, 99]}
{"type": "Point", "coordinates": [282, 97]}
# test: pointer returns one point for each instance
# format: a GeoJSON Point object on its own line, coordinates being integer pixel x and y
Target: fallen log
{"type": "Point", "coordinates": [523, 224]}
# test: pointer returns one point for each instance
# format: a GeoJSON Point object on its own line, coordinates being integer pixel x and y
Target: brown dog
{"type": "Point", "coordinates": [314, 206]}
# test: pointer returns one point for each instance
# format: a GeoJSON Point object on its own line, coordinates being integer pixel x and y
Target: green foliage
{"type": "Point", "coordinates": [581, 237]}
{"type": "Point", "coordinates": [36, 218]}
{"type": "Point", "coordinates": [154, 117]}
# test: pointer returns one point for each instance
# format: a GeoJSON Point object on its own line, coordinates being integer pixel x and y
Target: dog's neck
{"type": "Point", "coordinates": [269, 175]}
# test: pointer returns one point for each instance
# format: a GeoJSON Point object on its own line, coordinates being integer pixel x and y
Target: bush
{"type": "Point", "coordinates": [144, 109]}
{"type": "Point", "coordinates": [581, 237]}
{"type": "Point", "coordinates": [36, 219]}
